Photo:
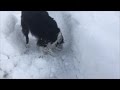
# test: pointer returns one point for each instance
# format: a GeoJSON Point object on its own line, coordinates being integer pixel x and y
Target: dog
{"type": "Point", "coordinates": [42, 26]}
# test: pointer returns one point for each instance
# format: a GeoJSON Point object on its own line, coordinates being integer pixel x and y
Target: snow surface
{"type": "Point", "coordinates": [91, 49]}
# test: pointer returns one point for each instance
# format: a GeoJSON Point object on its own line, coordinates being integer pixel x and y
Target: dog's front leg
{"type": "Point", "coordinates": [25, 30]}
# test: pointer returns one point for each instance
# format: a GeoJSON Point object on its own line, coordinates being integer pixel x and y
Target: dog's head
{"type": "Point", "coordinates": [43, 42]}
{"type": "Point", "coordinates": [58, 43]}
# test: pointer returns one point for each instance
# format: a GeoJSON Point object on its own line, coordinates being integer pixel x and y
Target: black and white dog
{"type": "Point", "coordinates": [42, 26]}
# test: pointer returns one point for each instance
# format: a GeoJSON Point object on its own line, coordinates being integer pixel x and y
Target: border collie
{"type": "Point", "coordinates": [42, 26]}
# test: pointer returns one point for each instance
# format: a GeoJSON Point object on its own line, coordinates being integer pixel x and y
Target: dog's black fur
{"type": "Point", "coordinates": [41, 25]}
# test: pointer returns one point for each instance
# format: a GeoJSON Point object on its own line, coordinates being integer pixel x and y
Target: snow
{"type": "Point", "coordinates": [91, 49]}
{"type": "Point", "coordinates": [98, 39]}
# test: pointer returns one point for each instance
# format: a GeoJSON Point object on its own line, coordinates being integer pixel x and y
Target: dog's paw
{"type": "Point", "coordinates": [27, 46]}
{"type": "Point", "coordinates": [26, 51]}
{"type": "Point", "coordinates": [42, 55]}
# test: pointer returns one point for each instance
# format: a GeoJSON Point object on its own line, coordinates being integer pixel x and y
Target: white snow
{"type": "Point", "coordinates": [91, 49]}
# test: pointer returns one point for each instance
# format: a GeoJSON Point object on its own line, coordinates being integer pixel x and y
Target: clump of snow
{"type": "Point", "coordinates": [91, 48]}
